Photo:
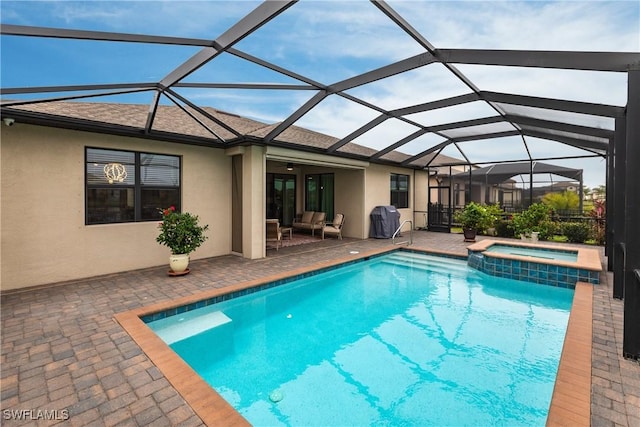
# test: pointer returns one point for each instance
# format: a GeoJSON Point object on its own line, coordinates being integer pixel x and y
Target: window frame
{"type": "Point", "coordinates": [397, 194]}
{"type": "Point", "coordinates": [137, 187]}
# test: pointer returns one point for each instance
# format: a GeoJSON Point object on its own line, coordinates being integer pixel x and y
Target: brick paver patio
{"type": "Point", "coordinates": [63, 352]}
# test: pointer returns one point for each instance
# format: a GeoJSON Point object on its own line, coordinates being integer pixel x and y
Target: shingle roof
{"type": "Point", "coordinates": [168, 118]}
{"type": "Point", "coordinates": [174, 120]}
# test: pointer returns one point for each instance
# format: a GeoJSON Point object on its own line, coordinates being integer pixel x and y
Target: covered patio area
{"type": "Point", "coordinates": [62, 350]}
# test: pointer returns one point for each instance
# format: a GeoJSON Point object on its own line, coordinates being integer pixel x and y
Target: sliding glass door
{"type": "Point", "coordinates": [281, 197]}
{"type": "Point", "coordinates": [319, 194]}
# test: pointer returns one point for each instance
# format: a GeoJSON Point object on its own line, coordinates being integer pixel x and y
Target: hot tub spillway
{"type": "Point", "coordinates": [474, 260]}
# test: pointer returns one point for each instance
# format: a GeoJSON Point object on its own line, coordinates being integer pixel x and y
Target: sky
{"type": "Point", "coordinates": [329, 41]}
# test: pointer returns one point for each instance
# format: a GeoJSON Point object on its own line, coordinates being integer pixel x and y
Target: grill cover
{"type": "Point", "coordinates": [385, 220]}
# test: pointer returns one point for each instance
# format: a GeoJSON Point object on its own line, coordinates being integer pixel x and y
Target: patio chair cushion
{"type": "Point", "coordinates": [317, 219]}
{"type": "Point", "coordinates": [307, 216]}
{"type": "Point", "coordinates": [310, 220]}
{"type": "Point", "coordinates": [334, 228]}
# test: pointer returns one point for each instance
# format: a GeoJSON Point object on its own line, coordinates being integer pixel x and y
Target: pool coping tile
{"type": "Point", "coordinates": [571, 399]}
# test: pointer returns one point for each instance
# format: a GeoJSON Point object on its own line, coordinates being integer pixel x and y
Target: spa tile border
{"type": "Point", "coordinates": [557, 273]}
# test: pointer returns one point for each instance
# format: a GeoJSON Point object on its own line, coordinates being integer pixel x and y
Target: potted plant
{"type": "Point", "coordinates": [493, 214]}
{"type": "Point", "coordinates": [537, 219]}
{"type": "Point", "coordinates": [181, 232]}
{"type": "Point", "coordinates": [473, 218]}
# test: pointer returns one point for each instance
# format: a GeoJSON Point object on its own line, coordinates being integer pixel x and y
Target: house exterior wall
{"type": "Point", "coordinates": [348, 195]}
{"type": "Point", "coordinates": [253, 202]}
{"type": "Point", "coordinates": [349, 184]}
{"type": "Point", "coordinates": [421, 198]}
{"type": "Point", "coordinates": [350, 201]}
{"type": "Point", "coordinates": [378, 191]}
{"type": "Point", "coordinates": [44, 238]}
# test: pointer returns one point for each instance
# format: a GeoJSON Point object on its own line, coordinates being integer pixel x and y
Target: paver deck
{"type": "Point", "coordinates": [63, 352]}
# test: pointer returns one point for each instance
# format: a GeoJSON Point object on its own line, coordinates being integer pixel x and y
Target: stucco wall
{"type": "Point", "coordinates": [253, 202]}
{"type": "Point", "coordinates": [421, 197]}
{"type": "Point", "coordinates": [350, 201]}
{"type": "Point", "coordinates": [348, 196]}
{"type": "Point", "coordinates": [43, 235]}
{"type": "Point", "coordinates": [378, 191]}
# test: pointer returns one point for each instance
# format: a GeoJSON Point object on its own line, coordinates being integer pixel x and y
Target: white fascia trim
{"type": "Point", "coordinates": [301, 157]}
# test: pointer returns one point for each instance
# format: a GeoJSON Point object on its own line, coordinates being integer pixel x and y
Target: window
{"type": "Point", "coordinates": [127, 186]}
{"type": "Point", "coordinates": [400, 190]}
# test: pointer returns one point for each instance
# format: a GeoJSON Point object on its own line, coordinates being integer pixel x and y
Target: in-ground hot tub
{"type": "Point", "coordinates": [538, 263]}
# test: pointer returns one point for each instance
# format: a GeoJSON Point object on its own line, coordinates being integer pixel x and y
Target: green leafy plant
{"type": "Point", "coordinates": [576, 232]}
{"type": "Point", "coordinates": [504, 228]}
{"type": "Point", "coordinates": [562, 201]}
{"type": "Point", "coordinates": [474, 217]}
{"type": "Point", "coordinates": [536, 218]}
{"type": "Point", "coordinates": [494, 214]}
{"type": "Point", "coordinates": [180, 231]}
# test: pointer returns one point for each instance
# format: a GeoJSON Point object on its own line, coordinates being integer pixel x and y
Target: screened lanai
{"type": "Point", "coordinates": [501, 176]}
{"type": "Point", "coordinates": [552, 82]}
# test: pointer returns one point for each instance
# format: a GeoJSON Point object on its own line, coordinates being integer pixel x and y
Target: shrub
{"type": "Point", "coordinates": [180, 231]}
{"type": "Point", "coordinates": [562, 201]}
{"type": "Point", "coordinates": [494, 213]}
{"type": "Point", "coordinates": [576, 232]}
{"type": "Point", "coordinates": [536, 218]}
{"type": "Point", "coordinates": [504, 228]}
{"type": "Point", "coordinates": [473, 216]}
{"type": "Point", "coordinates": [547, 229]}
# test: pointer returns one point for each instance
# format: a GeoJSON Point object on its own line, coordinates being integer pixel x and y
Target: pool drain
{"type": "Point", "coordinates": [276, 396]}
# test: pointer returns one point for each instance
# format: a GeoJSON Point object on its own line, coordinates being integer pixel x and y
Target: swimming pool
{"type": "Point", "coordinates": [397, 339]}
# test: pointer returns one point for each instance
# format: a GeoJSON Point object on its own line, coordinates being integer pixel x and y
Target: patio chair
{"type": "Point", "coordinates": [274, 233]}
{"type": "Point", "coordinates": [334, 228]}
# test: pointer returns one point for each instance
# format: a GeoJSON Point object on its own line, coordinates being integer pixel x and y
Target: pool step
{"type": "Point", "coordinates": [426, 257]}
{"type": "Point", "coordinates": [428, 263]}
{"type": "Point", "coordinates": [421, 259]}
{"type": "Point", "coordinates": [183, 329]}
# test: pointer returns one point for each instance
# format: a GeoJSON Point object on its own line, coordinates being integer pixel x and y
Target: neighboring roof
{"type": "Point", "coordinates": [502, 172]}
{"type": "Point", "coordinates": [174, 115]}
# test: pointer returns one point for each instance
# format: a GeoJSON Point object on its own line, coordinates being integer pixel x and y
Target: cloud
{"type": "Point", "coordinates": [330, 41]}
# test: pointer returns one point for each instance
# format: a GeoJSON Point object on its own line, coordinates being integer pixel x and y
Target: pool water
{"type": "Point", "coordinates": [400, 339]}
{"type": "Point", "coordinates": [542, 254]}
